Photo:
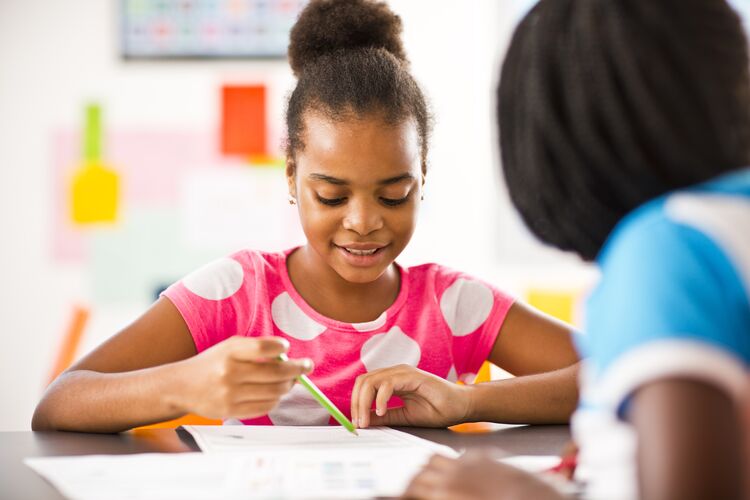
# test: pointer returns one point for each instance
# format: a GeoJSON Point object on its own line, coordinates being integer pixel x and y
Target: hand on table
{"type": "Point", "coordinates": [238, 378]}
{"type": "Point", "coordinates": [476, 476]}
{"type": "Point", "coordinates": [429, 401]}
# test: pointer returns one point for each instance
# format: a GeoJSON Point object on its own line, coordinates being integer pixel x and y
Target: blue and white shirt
{"type": "Point", "coordinates": [673, 300]}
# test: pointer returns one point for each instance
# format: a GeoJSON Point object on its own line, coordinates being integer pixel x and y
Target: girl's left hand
{"type": "Point", "coordinates": [476, 476]}
{"type": "Point", "coordinates": [429, 401]}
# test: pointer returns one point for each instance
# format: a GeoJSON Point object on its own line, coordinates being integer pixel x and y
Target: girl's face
{"type": "Point", "coordinates": [358, 184]}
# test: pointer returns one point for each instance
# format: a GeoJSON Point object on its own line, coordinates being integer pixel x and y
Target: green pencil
{"type": "Point", "coordinates": [323, 400]}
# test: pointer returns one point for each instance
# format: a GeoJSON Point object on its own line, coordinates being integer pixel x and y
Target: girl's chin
{"type": "Point", "coordinates": [360, 276]}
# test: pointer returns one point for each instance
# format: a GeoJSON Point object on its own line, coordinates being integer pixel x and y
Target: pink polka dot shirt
{"type": "Point", "coordinates": [443, 322]}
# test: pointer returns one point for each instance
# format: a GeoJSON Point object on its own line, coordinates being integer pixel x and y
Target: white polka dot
{"type": "Point", "coordinates": [390, 349]}
{"type": "Point", "coordinates": [216, 281]}
{"type": "Point", "coordinates": [466, 304]}
{"type": "Point", "coordinates": [452, 375]}
{"type": "Point", "coordinates": [468, 378]}
{"type": "Point", "coordinates": [292, 320]}
{"type": "Point", "coordinates": [370, 325]}
{"type": "Point", "coordinates": [298, 407]}
{"type": "Point", "coordinates": [232, 421]}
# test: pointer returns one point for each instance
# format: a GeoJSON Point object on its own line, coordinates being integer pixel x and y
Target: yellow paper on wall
{"type": "Point", "coordinates": [557, 303]}
{"type": "Point", "coordinates": [95, 187]}
{"type": "Point", "coordinates": [94, 194]}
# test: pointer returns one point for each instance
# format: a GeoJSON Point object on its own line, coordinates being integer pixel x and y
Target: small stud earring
{"type": "Point", "coordinates": [292, 201]}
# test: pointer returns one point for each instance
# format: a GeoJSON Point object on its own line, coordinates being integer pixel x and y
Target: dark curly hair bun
{"type": "Point", "coordinates": [327, 26]}
{"type": "Point", "coordinates": [349, 62]}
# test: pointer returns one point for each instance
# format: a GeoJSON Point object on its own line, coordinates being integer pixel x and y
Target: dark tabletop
{"type": "Point", "coordinates": [17, 481]}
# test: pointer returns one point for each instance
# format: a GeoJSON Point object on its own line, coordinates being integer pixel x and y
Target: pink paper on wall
{"type": "Point", "coordinates": [68, 243]}
{"type": "Point", "coordinates": [151, 164]}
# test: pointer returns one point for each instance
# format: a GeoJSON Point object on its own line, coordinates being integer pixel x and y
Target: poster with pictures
{"type": "Point", "coordinates": [206, 29]}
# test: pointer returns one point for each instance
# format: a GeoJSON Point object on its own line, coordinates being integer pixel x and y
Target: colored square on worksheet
{"type": "Point", "coordinates": [243, 120]}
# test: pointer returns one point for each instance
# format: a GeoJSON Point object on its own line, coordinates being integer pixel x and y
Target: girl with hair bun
{"type": "Point", "coordinates": [358, 133]}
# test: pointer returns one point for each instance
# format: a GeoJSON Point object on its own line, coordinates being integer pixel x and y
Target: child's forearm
{"type": "Point", "coordinates": [543, 398]}
{"type": "Point", "coordinates": [90, 401]}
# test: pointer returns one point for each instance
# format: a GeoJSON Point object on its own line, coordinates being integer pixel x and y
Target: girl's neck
{"type": "Point", "coordinates": [336, 298]}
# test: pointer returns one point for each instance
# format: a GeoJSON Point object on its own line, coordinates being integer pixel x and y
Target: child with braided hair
{"type": "Point", "coordinates": [625, 138]}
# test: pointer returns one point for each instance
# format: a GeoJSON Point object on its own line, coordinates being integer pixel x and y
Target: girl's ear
{"type": "Point", "coordinates": [291, 176]}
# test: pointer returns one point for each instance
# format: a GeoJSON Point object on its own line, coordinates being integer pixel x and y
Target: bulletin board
{"type": "Point", "coordinates": [206, 29]}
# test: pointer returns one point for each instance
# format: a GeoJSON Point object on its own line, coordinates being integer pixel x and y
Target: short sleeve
{"type": "Point", "coordinates": [474, 312]}
{"type": "Point", "coordinates": [669, 304]}
{"type": "Point", "coordinates": [216, 301]}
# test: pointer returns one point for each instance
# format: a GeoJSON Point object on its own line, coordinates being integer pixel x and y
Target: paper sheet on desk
{"type": "Point", "coordinates": [334, 439]}
{"type": "Point", "coordinates": [297, 465]}
{"type": "Point", "coordinates": [531, 463]}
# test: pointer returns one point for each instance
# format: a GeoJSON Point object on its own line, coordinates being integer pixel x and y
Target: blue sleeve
{"type": "Point", "coordinates": [669, 285]}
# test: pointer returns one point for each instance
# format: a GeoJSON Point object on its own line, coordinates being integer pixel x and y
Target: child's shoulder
{"type": "Point", "coordinates": [250, 256]}
{"type": "Point", "coordinates": [237, 271]}
{"type": "Point", "coordinates": [676, 266]}
{"type": "Point", "coordinates": [701, 224]}
{"type": "Point", "coordinates": [434, 272]}
{"type": "Point", "coordinates": [439, 279]}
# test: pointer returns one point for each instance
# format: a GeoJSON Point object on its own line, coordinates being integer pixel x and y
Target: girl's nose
{"type": "Point", "coordinates": [362, 218]}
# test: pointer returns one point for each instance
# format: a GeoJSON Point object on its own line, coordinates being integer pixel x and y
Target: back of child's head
{"type": "Point", "coordinates": [350, 63]}
{"type": "Point", "coordinates": [605, 104]}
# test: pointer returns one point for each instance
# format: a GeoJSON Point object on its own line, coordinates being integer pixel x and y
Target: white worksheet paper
{"type": "Point", "coordinates": [263, 462]}
{"type": "Point", "coordinates": [334, 439]}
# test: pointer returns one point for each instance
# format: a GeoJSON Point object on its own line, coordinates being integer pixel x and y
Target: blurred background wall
{"type": "Point", "coordinates": [161, 135]}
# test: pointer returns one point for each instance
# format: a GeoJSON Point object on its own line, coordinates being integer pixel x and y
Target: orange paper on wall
{"type": "Point", "coordinates": [243, 120]}
{"type": "Point", "coordinates": [70, 341]}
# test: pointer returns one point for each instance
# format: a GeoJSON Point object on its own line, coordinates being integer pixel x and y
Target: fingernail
{"type": "Point", "coordinates": [379, 412]}
{"type": "Point", "coordinates": [307, 365]}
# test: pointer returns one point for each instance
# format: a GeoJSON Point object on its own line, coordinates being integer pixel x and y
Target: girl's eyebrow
{"type": "Point", "coordinates": [328, 179]}
{"type": "Point", "coordinates": [343, 182]}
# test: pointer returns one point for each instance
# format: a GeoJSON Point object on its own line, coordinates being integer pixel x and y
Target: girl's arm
{"type": "Point", "coordinates": [539, 350]}
{"type": "Point", "coordinates": [533, 346]}
{"type": "Point", "coordinates": [688, 448]}
{"type": "Point", "coordinates": [149, 373]}
{"type": "Point", "coordinates": [689, 441]}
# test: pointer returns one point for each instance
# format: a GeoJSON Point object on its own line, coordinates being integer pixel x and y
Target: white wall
{"type": "Point", "coordinates": [55, 55]}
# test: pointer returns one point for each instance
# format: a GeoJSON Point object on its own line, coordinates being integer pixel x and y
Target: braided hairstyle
{"type": "Point", "coordinates": [605, 104]}
{"type": "Point", "coordinates": [349, 61]}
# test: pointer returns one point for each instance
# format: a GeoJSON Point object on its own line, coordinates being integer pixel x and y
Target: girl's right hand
{"type": "Point", "coordinates": [240, 377]}
{"type": "Point", "coordinates": [476, 476]}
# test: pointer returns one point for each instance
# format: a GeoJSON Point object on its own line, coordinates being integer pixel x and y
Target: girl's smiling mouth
{"type": "Point", "coordinates": [361, 254]}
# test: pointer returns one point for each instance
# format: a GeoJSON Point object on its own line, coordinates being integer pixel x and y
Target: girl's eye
{"type": "Point", "coordinates": [391, 202]}
{"type": "Point", "coordinates": [331, 202]}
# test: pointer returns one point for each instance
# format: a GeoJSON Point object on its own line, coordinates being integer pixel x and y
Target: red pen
{"type": "Point", "coordinates": [567, 465]}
